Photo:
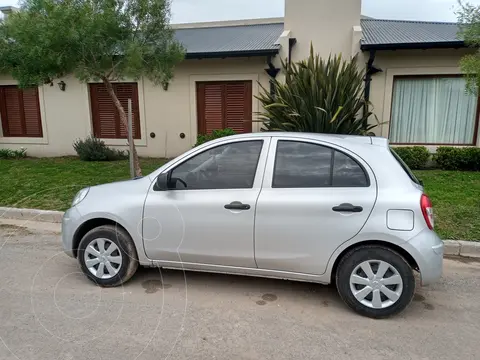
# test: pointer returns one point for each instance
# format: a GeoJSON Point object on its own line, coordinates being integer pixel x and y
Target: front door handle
{"type": "Point", "coordinates": [237, 205]}
{"type": "Point", "coordinates": [347, 208]}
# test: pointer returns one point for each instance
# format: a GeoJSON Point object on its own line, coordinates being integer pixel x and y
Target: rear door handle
{"type": "Point", "coordinates": [347, 208]}
{"type": "Point", "coordinates": [237, 205]}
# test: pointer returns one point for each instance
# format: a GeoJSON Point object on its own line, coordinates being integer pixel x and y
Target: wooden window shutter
{"type": "Point", "coordinates": [210, 104]}
{"type": "Point", "coordinates": [20, 112]}
{"type": "Point", "coordinates": [223, 105]}
{"type": "Point", "coordinates": [105, 117]}
{"type": "Point", "coordinates": [31, 108]}
{"type": "Point", "coordinates": [238, 109]}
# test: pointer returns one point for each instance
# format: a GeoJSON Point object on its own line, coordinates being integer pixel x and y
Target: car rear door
{"type": "Point", "coordinates": [315, 196]}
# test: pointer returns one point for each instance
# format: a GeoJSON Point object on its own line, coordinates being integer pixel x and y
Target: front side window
{"type": "Point", "coordinates": [305, 165]}
{"type": "Point", "coordinates": [435, 110]}
{"type": "Point", "coordinates": [230, 166]}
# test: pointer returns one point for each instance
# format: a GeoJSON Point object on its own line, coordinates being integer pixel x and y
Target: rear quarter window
{"type": "Point", "coordinates": [405, 167]}
{"type": "Point", "coordinates": [347, 172]}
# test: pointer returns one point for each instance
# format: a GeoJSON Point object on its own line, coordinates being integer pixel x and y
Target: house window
{"type": "Point", "coordinates": [433, 110]}
{"type": "Point", "coordinates": [20, 112]}
{"type": "Point", "coordinates": [105, 117]}
{"type": "Point", "coordinates": [222, 105]}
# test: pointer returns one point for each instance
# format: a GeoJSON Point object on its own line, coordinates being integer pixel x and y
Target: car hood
{"type": "Point", "coordinates": [119, 188]}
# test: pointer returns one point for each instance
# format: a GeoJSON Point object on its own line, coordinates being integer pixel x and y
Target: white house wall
{"type": "Point", "coordinates": [65, 117]}
{"type": "Point", "coordinates": [172, 112]}
{"type": "Point", "coordinates": [327, 24]}
{"type": "Point", "coordinates": [66, 114]}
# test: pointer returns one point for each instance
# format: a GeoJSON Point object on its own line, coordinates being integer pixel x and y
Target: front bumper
{"type": "Point", "coordinates": [70, 223]}
{"type": "Point", "coordinates": [427, 250]}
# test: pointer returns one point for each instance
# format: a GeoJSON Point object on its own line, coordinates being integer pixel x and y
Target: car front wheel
{"type": "Point", "coordinates": [107, 256]}
{"type": "Point", "coordinates": [375, 281]}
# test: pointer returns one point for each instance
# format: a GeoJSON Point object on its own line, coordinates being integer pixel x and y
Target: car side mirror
{"type": "Point", "coordinates": [162, 182]}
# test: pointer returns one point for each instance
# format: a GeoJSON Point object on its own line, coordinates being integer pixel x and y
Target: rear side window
{"type": "Point", "coordinates": [306, 165]}
{"type": "Point", "coordinates": [405, 167]}
{"type": "Point", "coordinates": [347, 172]}
{"type": "Point", "coordinates": [302, 165]}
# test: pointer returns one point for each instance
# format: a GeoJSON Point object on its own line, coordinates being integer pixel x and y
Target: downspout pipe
{"type": "Point", "coordinates": [272, 72]}
{"type": "Point", "coordinates": [368, 76]}
{"type": "Point", "coordinates": [370, 70]}
{"type": "Point", "coordinates": [291, 44]}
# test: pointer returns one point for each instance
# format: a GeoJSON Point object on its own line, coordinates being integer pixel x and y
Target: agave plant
{"type": "Point", "coordinates": [317, 96]}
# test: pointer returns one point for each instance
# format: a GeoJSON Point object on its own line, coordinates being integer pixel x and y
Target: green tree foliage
{"type": "Point", "coordinates": [317, 96]}
{"type": "Point", "coordinates": [469, 20]}
{"type": "Point", "coordinates": [96, 40]}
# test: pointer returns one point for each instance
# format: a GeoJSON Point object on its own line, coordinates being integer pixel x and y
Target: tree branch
{"type": "Point", "coordinates": [123, 119]}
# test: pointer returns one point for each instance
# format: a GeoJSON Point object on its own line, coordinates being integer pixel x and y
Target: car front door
{"type": "Point", "coordinates": [207, 215]}
{"type": "Point", "coordinates": [315, 196]}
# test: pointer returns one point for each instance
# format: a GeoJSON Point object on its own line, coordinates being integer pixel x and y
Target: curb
{"type": "Point", "coordinates": [462, 248]}
{"type": "Point", "coordinates": [31, 214]}
{"type": "Point", "coordinates": [452, 247]}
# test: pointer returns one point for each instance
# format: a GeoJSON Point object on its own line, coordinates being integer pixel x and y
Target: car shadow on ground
{"type": "Point", "coordinates": [175, 284]}
{"type": "Point", "coordinates": [261, 290]}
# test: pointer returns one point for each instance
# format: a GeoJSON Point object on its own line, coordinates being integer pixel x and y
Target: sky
{"type": "Point", "coordinates": [215, 10]}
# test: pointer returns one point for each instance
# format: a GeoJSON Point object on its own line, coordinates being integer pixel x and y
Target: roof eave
{"type": "Point", "coordinates": [412, 46]}
{"type": "Point", "coordinates": [227, 54]}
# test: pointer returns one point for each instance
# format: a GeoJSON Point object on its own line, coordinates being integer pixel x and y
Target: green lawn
{"type": "Point", "coordinates": [456, 202]}
{"type": "Point", "coordinates": [51, 184]}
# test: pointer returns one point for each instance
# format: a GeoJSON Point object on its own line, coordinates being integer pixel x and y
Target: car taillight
{"type": "Point", "coordinates": [427, 211]}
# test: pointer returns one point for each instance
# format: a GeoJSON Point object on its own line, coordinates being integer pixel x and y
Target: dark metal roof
{"type": "Point", "coordinates": [397, 34]}
{"type": "Point", "coordinates": [260, 39]}
{"type": "Point", "coordinates": [227, 41]}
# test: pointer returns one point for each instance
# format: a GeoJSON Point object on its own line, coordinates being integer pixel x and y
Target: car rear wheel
{"type": "Point", "coordinates": [375, 281]}
{"type": "Point", "coordinates": [107, 256]}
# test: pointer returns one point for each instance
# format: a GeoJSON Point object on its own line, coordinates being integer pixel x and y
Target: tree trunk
{"type": "Point", "coordinates": [124, 120]}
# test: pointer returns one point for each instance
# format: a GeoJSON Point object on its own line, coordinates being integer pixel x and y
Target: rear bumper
{"type": "Point", "coordinates": [427, 250]}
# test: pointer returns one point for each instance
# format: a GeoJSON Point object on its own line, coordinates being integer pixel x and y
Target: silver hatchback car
{"type": "Point", "coordinates": [307, 207]}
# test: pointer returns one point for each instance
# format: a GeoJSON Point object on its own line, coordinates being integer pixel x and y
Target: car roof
{"type": "Point", "coordinates": [332, 138]}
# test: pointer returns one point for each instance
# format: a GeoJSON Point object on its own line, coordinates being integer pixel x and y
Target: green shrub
{"type": "Point", "coordinates": [93, 149]}
{"type": "Point", "coordinates": [416, 157]}
{"type": "Point", "coordinates": [13, 154]}
{"type": "Point", "coordinates": [319, 96]}
{"type": "Point", "coordinates": [216, 134]}
{"type": "Point", "coordinates": [452, 158]}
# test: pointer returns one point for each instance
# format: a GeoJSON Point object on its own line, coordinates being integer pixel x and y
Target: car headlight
{"type": "Point", "coordinates": [80, 196]}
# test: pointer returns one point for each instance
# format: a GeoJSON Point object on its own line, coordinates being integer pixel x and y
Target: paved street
{"type": "Point", "coordinates": [49, 310]}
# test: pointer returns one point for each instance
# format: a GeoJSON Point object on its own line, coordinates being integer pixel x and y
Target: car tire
{"type": "Point", "coordinates": [113, 265]}
{"type": "Point", "coordinates": [375, 295]}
